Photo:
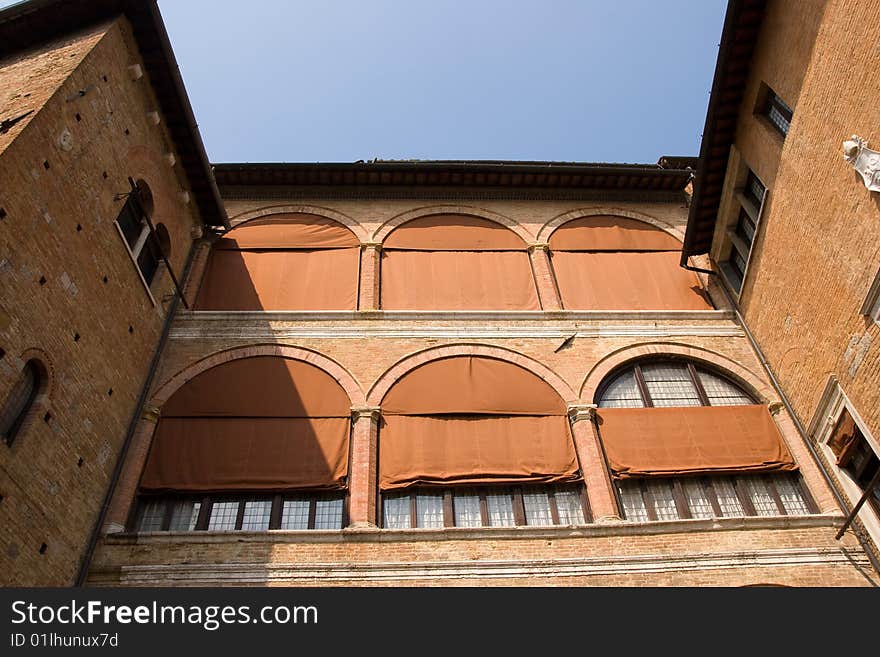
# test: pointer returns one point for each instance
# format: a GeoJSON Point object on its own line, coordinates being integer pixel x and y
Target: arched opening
{"type": "Point", "coordinates": [683, 441]}
{"type": "Point", "coordinates": [283, 262]}
{"type": "Point", "coordinates": [254, 443]}
{"type": "Point", "coordinates": [606, 262]}
{"type": "Point", "coordinates": [20, 400]}
{"type": "Point", "coordinates": [456, 262]}
{"type": "Point", "coordinates": [146, 197]}
{"type": "Point", "coordinates": [475, 441]}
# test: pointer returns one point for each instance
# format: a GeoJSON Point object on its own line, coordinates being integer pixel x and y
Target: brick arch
{"type": "Point", "coordinates": [548, 228]}
{"type": "Point", "coordinates": [741, 375]}
{"type": "Point", "coordinates": [147, 164]}
{"type": "Point", "coordinates": [395, 372]}
{"type": "Point", "coordinates": [352, 224]}
{"type": "Point", "coordinates": [48, 370]}
{"type": "Point", "coordinates": [331, 367]}
{"type": "Point", "coordinates": [383, 230]}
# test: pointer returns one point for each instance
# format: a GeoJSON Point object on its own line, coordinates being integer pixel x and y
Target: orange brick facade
{"type": "Point", "coordinates": [70, 294]}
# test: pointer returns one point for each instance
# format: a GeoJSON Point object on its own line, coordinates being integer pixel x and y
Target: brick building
{"type": "Point", "coordinates": [421, 373]}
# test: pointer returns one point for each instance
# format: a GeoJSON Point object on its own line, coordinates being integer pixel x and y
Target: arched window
{"type": "Point", "coordinates": [616, 263]}
{"type": "Point", "coordinates": [256, 443]}
{"type": "Point", "coordinates": [456, 262]}
{"type": "Point", "coordinates": [285, 262]}
{"type": "Point", "coordinates": [20, 400]}
{"type": "Point", "coordinates": [682, 441]}
{"type": "Point", "coordinates": [146, 248]}
{"type": "Point", "coordinates": [471, 441]}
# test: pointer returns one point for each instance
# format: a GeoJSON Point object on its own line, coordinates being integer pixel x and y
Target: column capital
{"type": "Point", "coordinates": [775, 407]}
{"type": "Point", "coordinates": [372, 245]}
{"type": "Point", "coordinates": [539, 246]}
{"type": "Point", "coordinates": [577, 412]}
{"type": "Point", "coordinates": [151, 413]}
{"type": "Point", "coordinates": [372, 412]}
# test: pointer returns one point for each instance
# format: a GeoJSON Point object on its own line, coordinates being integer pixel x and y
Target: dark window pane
{"type": "Point", "coordinates": [19, 402]}
{"type": "Point", "coordinates": [130, 223]}
{"type": "Point", "coordinates": [148, 259]}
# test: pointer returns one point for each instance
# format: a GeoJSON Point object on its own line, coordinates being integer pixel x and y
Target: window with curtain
{"type": "Point", "coordinates": [617, 263]}
{"type": "Point", "coordinates": [456, 262]}
{"type": "Point", "coordinates": [19, 401]}
{"type": "Point", "coordinates": [251, 444]}
{"type": "Point", "coordinates": [686, 442]}
{"type": "Point", "coordinates": [284, 262]}
{"type": "Point", "coordinates": [466, 439]}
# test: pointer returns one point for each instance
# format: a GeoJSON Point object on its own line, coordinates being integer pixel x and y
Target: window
{"type": "Point", "coordinates": [871, 306]}
{"type": "Point", "coordinates": [486, 507]}
{"type": "Point", "coordinates": [668, 498]}
{"type": "Point", "coordinates": [855, 456]}
{"type": "Point", "coordinates": [20, 400]}
{"type": "Point", "coordinates": [775, 110]}
{"type": "Point", "coordinates": [670, 383]}
{"type": "Point", "coordinates": [244, 513]}
{"type": "Point", "coordinates": [741, 234]}
{"type": "Point", "coordinates": [146, 247]}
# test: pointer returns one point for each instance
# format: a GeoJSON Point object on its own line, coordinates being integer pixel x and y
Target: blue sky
{"type": "Point", "coordinates": [339, 80]}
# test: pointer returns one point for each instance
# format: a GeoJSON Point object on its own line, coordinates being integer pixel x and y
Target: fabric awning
{"type": "Point", "coordinates": [289, 231]}
{"type": "Point", "coordinates": [260, 423]}
{"type": "Point", "coordinates": [419, 450]}
{"type": "Point", "coordinates": [642, 442]}
{"type": "Point", "coordinates": [326, 279]}
{"type": "Point", "coordinates": [611, 233]}
{"type": "Point", "coordinates": [452, 232]}
{"type": "Point", "coordinates": [650, 280]}
{"type": "Point", "coordinates": [475, 420]}
{"type": "Point", "coordinates": [471, 385]}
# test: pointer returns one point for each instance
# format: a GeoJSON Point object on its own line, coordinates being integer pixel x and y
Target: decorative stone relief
{"type": "Point", "coordinates": [864, 160]}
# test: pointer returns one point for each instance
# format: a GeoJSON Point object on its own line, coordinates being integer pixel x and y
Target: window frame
{"type": "Point", "coordinates": [707, 483]}
{"type": "Point", "coordinates": [142, 242]}
{"type": "Point", "coordinates": [514, 491]}
{"type": "Point", "coordinates": [693, 373]}
{"type": "Point", "coordinates": [871, 305]}
{"type": "Point", "coordinates": [745, 203]}
{"type": "Point", "coordinates": [26, 405]}
{"type": "Point", "coordinates": [207, 502]}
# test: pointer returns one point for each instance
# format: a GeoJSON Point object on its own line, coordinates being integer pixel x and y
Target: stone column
{"type": "Point", "coordinates": [813, 478]}
{"type": "Point", "coordinates": [368, 296]}
{"type": "Point", "coordinates": [135, 460]}
{"type": "Point", "coordinates": [589, 451]}
{"type": "Point", "coordinates": [363, 472]}
{"type": "Point", "coordinates": [548, 293]}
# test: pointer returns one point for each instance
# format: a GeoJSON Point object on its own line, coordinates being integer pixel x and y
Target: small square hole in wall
{"type": "Point", "coordinates": [79, 227]}
{"type": "Point", "coordinates": [104, 78]}
{"type": "Point", "coordinates": [110, 392]}
{"type": "Point", "coordinates": [78, 117]}
{"type": "Point", "coordinates": [43, 548]}
{"type": "Point", "coordinates": [2, 353]}
{"type": "Point", "coordinates": [42, 280]}
{"type": "Point", "coordinates": [105, 279]}
{"type": "Point", "coordinates": [2, 213]}
{"type": "Point", "coordinates": [45, 164]}
{"type": "Point", "coordinates": [47, 418]}
{"type": "Point", "coordinates": [1, 497]}
{"type": "Point", "coordinates": [131, 329]}
{"type": "Point", "coordinates": [104, 174]}
{"type": "Point", "coordinates": [76, 337]}
{"type": "Point", "coordinates": [127, 131]}
{"type": "Point", "coordinates": [79, 462]}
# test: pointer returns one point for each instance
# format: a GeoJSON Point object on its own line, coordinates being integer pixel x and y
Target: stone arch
{"type": "Point", "coordinates": [548, 228]}
{"type": "Point", "coordinates": [395, 372]}
{"type": "Point", "coordinates": [383, 230]}
{"type": "Point", "coordinates": [328, 365]}
{"type": "Point", "coordinates": [752, 383]}
{"type": "Point", "coordinates": [352, 224]}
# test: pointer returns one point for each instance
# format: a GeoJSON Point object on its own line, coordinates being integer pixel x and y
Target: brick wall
{"type": "Point", "coordinates": [368, 351]}
{"type": "Point", "coordinates": [70, 294]}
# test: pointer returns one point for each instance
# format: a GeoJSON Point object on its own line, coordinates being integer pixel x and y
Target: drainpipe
{"type": "Point", "coordinates": [863, 541]}
{"type": "Point", "coordinates": [132, 425]}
